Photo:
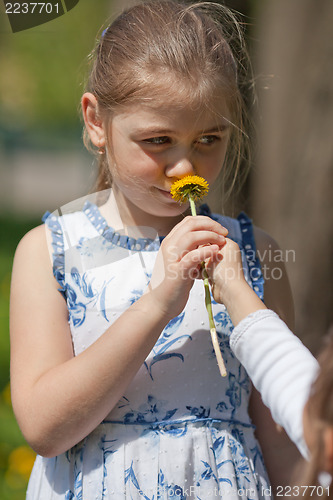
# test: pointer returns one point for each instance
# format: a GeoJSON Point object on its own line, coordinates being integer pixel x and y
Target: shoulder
{"type": "Point", "coordinates": [278, 295]}
{"type": "Point", "coordinates": [34, 242]}
{"type": "Point", "coordinates": [34, 287]}
{"type": "Point", "coordinates": [264, 241]}
{"type": "Point", "coordinates": [33, 255]}
{"type": "Point", "coordinates": [269, 253]}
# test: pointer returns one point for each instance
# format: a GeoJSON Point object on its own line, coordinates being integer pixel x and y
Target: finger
{"type": "Point", "coordinates": [193, 241]}
{"type": "Point", "coordinates": [198, 223]}
{"type": "Point", "coordinates": [215, 259]}
{"type": "Point", "coordinates": [195, 257]}
{"type": "Point", "coordinates": [196, 239]}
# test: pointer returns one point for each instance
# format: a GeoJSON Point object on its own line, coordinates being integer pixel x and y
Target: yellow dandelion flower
{"type": "Point", "coordinates": [190, 186]}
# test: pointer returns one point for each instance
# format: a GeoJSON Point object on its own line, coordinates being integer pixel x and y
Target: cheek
{"type": "Point", "coordinates": [130, 161]}
{"type": "Point", "coordinates": [136, 169]}
{"type": "Point", "coordinates": [223, 150]}
{"type": "Point", "coordinates": [213, 166]}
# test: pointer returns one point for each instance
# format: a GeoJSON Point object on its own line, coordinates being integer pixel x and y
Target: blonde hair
{"type": "Point", "coordinates": [200, 45]}
{"type": "Point", "coordinates": [320, 416]}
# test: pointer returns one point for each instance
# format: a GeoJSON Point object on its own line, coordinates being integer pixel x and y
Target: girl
{"type": "Point", "coordinates": [116, 387]}
{"type": "Point", "coordinates": [297, 390]}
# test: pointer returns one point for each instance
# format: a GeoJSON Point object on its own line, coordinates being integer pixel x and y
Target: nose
{"type": "Point", "coordinates": [180, 167]}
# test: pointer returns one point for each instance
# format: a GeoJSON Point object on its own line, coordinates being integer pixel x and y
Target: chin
{"type": "Point", "coordinates": [157, 207]}
{"type": "Point", "coordinates": [170, 210]}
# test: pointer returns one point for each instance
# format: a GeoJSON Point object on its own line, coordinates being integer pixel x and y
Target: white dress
{"type": "Point", "coordinates": [180, 431]}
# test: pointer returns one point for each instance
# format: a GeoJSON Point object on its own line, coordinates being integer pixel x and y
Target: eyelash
{"type": "Point", "coordinates": [157, 141]}
{"type": "Point", "coordinates": [212, 140]}
{"type": "Point", "coordinates": [162, 140]}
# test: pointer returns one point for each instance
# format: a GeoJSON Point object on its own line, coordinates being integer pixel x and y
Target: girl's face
{"type": "Point", "coordinates": [150, 148]}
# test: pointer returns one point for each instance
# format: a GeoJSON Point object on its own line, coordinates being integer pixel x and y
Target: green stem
{"type": "Point", "coordinates": [192, 205]}
{"type": "Point", "coordinates": [208, 303]}
{"type": "Point", "coordinates": [208, 300]}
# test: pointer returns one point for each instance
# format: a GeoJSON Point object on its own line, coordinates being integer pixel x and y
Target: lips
{"type": "Point", "coordinates": [165, 194]}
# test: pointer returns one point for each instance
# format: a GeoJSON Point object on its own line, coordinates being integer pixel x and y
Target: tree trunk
{"type": "Point", "coordinates": [292, 188]}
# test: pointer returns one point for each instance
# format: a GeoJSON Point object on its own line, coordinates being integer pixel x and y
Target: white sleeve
{"type": "Point", "coordinates": [281, 368]}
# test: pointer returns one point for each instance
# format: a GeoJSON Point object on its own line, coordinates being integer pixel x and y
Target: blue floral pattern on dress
{"type": "Point", "coordinates": [149, 412]}
{"type": "Point", "coordinates": [179, 431]}
{"type": "Point", "coordinates": [130, 478]}
{"type": "Point", "coordinates": [77, 309]}
{"type": "Point", "coordinates": [165, 342]}
{"type": "Point", "coordinates": [171, 490]}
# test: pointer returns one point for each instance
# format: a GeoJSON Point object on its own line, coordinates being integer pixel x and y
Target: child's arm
{"type": "Point", "coordinates": [279, 365]}
{"type": "Point", "coordinates": [59, 399]}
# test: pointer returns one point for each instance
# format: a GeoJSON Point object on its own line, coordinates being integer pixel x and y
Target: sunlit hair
{"type": "Point", "coordinates": [165, 51]}
{"type": "Point", "coordinates": [320, 417]}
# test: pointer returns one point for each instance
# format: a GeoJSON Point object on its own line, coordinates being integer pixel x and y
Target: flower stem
{"type": "Point", "coordinates": [208, 303]}
{"type": "Point", "coordinates": [192, 205]}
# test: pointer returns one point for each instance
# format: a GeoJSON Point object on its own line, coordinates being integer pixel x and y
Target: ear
{"type": "Point", "coordinates": [328, 440]}
{"type": "Point", "coordinates": [93, 121]}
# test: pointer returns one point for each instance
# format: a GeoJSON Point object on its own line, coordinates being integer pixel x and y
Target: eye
{"type": "Point", "coordinates": [208, 140]}
{"type": "Point", "coordinates": [159, 141]}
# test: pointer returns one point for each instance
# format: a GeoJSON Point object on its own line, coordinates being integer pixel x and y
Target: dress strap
{"type": "Point", "coordinates": [58, 255]}
{"type": "Point", "coordinates": [250, 250]}
{"type": "Point", "coordinates": [241, 231]}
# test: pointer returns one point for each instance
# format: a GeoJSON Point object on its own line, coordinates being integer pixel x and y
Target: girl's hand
{"type": "Point", "coordinates": [178, 263]}
{"type": "Point", "coordinates": [225, 271]}
{"type": "Point", "coordinates": [229, 287]}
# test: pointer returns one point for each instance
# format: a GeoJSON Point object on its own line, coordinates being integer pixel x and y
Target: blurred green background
{"type": "Point", "coordinates": [41, 80]}
{"type": "Point", "coordinates": [43, 163]}
{"type": "Point", "coordinates": [15, 457]}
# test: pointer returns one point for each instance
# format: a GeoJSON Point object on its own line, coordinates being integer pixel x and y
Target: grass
{"type": "Point", "coordinates": [16, 458]}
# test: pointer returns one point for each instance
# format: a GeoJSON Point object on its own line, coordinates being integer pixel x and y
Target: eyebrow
{"type": "Point", "coordinates": [165, 131]}
{"type": "Point", "coordinates": [218, 128]}
{"type": "Point", "coordinates": [149, 130]}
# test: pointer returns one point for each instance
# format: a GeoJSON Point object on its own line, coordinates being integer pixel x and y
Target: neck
{"type": "Point", "coordinates": [122, 215]}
